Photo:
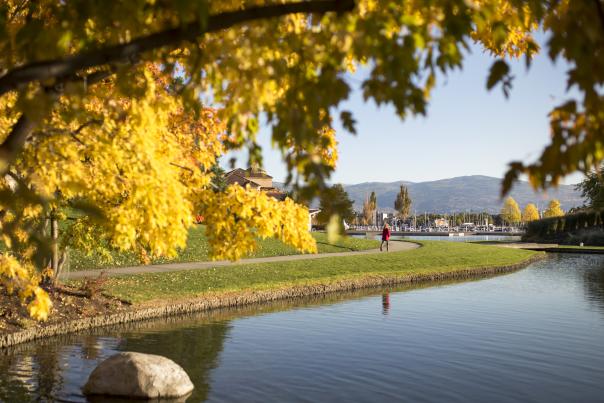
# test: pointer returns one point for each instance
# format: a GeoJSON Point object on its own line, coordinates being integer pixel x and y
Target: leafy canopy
{"type": "Point", "coordinates": [510, 212]}
{"type": "Point", "coordinates": [592, 188]}
{"type": "Point", "coordinates": [553, 209]}
{"type": "Point", "coordinates": [335, 201]}
{"type": "Point", "coordinates": [402, 203]}
{"type": "Point", "coordinates": [88, 120]}
{"type": "Point", "coordinates": [530, 213]}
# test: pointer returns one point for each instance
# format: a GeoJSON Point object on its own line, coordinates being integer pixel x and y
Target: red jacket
{"type": "Point", "coordinates": [385, 234]}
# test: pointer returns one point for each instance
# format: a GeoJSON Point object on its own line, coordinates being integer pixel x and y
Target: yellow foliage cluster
{"type": "Point", "coordinates": [530, 213]}
{"type": "Point", "coordinates": [136, 161]}
{"type": "Point", "coordinates": [553, 209]}
{"type": "Point", "coordinates": [23, 280]}
{"type": "Point", "coordinates": [236, 217]}
{"type": "Point", "coordinates": [145, 164]}
{"type": "Point", "coordinates": [503, 28]}
{"type": "Point", "coordinates": [510, 212]}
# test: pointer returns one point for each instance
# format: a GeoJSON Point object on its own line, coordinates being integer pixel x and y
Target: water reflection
{"type": "Point", "coordinates": [385, 303]}
{"type": "Point", "coordinates": [533, 335]}
{"type": "Point", "coordinates": [36, 371]}
{"type": "Point", "coordinates": [196, 349]}
{"type": "Point", "coordinates": [593, 281]}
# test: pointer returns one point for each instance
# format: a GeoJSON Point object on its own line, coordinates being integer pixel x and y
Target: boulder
{"type": "Point", "coordinates": [138, 375]}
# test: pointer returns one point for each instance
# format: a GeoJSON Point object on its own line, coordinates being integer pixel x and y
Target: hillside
{"type": "Point", "coordinates": [475, 193]}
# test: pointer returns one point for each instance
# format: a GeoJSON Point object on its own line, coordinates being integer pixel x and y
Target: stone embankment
{"type": "Point", "coordinates": [223, 300]}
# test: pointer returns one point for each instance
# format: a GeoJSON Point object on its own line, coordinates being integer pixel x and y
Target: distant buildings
{"type": "Point", "coordinates": [382, 218]}
{"type": "Point", "coordinates": [441, 222]}
{"type": "Point", "coordinates": [256, 178]}
{"type": "Point", "coordinates": [312, 217]}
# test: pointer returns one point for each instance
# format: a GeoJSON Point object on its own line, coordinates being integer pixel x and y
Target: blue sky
{"type": "Point", "coordinates": [467, 131]}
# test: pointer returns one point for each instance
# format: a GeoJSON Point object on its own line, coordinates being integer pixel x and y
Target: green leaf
{"type": "Point", "coordinates": [348, 121]}
{"type": "Point", "coordinates": [499, 70]}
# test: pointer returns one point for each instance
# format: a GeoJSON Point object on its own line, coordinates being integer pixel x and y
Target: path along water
{"type": "Point", "coordinates": [533, 336]}
{"type": "Point", "coordinates": [394, 246]}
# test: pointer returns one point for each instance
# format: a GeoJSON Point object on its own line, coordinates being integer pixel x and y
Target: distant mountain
{"type": "Point", "coordinates": [475, 193]}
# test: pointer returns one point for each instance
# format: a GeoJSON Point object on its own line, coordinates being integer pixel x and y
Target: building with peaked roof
{"type": "Point", "coordinates": [256, 178]}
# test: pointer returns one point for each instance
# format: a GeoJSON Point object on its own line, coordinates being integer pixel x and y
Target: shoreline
{"type": "Point", "coordinates": [233, 299]}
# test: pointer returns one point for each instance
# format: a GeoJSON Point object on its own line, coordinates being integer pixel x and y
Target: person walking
{"type": "Point", "coordinates": [385, 236]}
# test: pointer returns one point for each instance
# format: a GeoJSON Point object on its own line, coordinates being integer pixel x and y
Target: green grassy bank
{"type": "Point", "coordinates": [433, 259]}
{"type": "Point", "coordinates": [577, 247]}
{"type": "Point", "coordinates": [197, 250]}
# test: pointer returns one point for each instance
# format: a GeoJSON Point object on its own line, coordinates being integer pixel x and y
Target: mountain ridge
{"type": "Point", "coordinates": [461, 193]}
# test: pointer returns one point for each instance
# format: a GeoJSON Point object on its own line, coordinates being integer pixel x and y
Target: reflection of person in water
{"type": "Point", "coordinates": [385, 303]}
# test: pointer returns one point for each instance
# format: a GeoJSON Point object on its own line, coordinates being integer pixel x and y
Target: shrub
{"type": "Point", "coordinates": [583, 226]}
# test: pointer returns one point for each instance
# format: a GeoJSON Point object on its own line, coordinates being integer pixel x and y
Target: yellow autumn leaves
{"type": "Point", "coordinates": [24, 281]}
{"type": "Point", "coordinates": [144, 164]}
{"type": "Point", "coordinates": [238, 216]}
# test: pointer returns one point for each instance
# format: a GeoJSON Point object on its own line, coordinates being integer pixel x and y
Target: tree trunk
{"type": "Point", "coordinates": [54, 246]}
{"type": "Point", "coordinates": [60, 265]}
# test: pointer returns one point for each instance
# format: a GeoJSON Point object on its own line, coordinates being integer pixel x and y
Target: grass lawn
{"type": "Point", "coordinates": [197, 250]}
{"type": "Point", "coordinates": [434, 257]}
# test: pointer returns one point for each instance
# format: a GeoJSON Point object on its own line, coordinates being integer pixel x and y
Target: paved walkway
{"type": "Point", "coordinates": [527, 245]}
{"type": "Point", "coordinates": [555, 248]}
{"type": "Point", "coordinates": [395, 246]}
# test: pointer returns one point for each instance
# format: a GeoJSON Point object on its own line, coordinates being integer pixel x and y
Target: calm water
{"type": "Point", "coordinates": [467, 238]}
{"type": "Point", "coordinates": [534, 335]}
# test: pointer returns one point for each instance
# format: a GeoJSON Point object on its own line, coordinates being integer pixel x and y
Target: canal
{"type": "Point", "coordinates": [535, 335]}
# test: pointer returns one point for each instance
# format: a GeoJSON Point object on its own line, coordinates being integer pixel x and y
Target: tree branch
{"type": "Point", "coordinates": [15, 141]}
{"type": "Point", "coordinates": [170, 38]}
{"type": "Point", "coordinates": [86, 124]}
{"type": "Point", "coordinates": [600, 8]}
{"type": "Point", "coordinates": [181, 167]}
{"type": "Point", "coordinates": [74, 133]}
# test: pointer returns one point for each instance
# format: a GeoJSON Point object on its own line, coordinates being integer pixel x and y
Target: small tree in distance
{"type": "Point", "coordinates": [402, 203]}
{"type": "Point", "coordinates": [367, 212]}
{"type": "Point", "coordinates": [530, 213]}
{"type": "Point", "coordinates": [554, 209]}
{"type": "Point", "coordinates": [335, 201]}
{"type": "Point", "coordinates": [510, 212]}
{"type": "Point", "coordinates": [373, 205]}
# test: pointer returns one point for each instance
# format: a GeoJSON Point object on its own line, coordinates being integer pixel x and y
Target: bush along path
{"type": "Point", "coordinates": [395, 246]}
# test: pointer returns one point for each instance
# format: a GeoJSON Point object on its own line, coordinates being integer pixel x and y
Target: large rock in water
{"type": "Point", "coordinates": [143, 376]}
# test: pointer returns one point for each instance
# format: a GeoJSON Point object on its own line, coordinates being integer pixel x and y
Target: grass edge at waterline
{"type": "Point", "coordinates": [434, 258]}
{"type": "Point", "coordinates": [508, 260]}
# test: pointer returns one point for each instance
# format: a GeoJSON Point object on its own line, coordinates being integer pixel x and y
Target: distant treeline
{"type": "Point", "coordinates": [584, 226]}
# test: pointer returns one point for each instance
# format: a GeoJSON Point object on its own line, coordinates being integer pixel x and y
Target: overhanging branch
{"type": "Point", "coordinates": [15, 141]}
{"type": "Point", "coordinates": [600, 9]}
{"type": "Point", "coordinates": [17, 137]}
{"type": "Point", "coordinates": [170, 38]}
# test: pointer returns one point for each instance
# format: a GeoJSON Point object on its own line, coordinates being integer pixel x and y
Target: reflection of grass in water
{"type": "Point", "coordinates": [197, 250]}
{"type": "Point", "coordinates": [577, 247]}
{"type": "Point", "coordinates": [197, 351]}
{"type": "Point", "coordinates": [227, 314]}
